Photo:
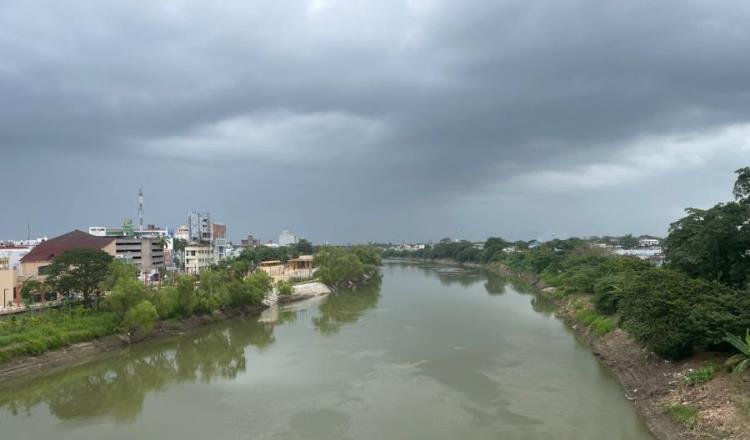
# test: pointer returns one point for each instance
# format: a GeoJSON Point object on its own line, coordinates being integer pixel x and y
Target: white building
{"type": "Point", "coordinates": [648, 242]}
{"type": "Point", "coordinates": [287, 238]}
{"type": "Point", "coordinates": [183, 233]}
{"type": "Point", "coordinates": [198, 256]}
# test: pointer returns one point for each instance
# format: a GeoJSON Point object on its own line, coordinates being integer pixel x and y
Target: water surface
{"type": "Point", "coordinates": [426, 353]}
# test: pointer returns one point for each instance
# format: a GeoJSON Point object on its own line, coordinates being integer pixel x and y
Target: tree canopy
{"type": "Point", "coordinates": [713, 243]}
{"type": "Point", "coordinates": [79, 271]}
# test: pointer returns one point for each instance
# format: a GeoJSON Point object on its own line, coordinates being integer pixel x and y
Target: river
{"type": "Point", "coordinates": [425, 353]}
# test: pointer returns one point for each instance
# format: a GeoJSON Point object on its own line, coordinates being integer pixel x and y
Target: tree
{"type": "Point", "coordinates": [304, 247]}
{"type": "Point", "coordinates": [79, 271]}
{"type": "Point", "coordinates": [31, 288]}
{"type": "Point", "coordinates": [713, 243]}
{"type": "Point", "coordinates": [125, 291]}
{"type": "Point", "coordinates": [141, 318]}
{"type": "Point", "coordinates": [628, 241]}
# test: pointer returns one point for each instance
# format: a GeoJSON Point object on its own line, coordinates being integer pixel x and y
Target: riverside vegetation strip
{"type": "Point", "coordinates": [133, 310]}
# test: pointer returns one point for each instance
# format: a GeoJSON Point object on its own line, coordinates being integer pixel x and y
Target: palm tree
{"type": "Point", "coordinates": [744, 347]}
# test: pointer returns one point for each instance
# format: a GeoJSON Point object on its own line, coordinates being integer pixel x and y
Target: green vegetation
{"type": "Point", "coordinates": [684, 414]}
{"type": "Point", "coordinates": [285, 288]}
{"type": "Point", "coordinates": [36, 333]}
{"type": "Point", "coordinates": [340, 266]}
{"type": "Point", "coordinates": [141, 318]}
{"type": "Point", "coordinates": [128, 307]}
{"type": "Point", "coordinates": [700, 375]}
{"type": "Point", "coordinates": [741, 360]}
{"type": "Point", "coordinates": [599, 324]}
{"type": "Point", "coordinates": [79, 271]}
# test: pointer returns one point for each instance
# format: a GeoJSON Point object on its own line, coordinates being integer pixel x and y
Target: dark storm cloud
{"type": "Point", "coordinates": [397, 110]}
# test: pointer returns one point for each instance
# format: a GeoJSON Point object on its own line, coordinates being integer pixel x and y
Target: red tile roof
{"type": "Point", "coordinates": [49, 249]}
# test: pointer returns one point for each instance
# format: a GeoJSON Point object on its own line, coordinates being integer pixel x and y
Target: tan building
{"type": "Point", "coordinates": [274, 268]}
{"type": "Point", "coordinates": [198, 256]}
{"type": "Point", "coordinates": [35, 263]}
{"type": "Point", "coordinates": [9, 287]}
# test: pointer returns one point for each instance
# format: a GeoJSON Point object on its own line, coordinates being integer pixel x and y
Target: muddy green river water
{"type": "Point", "coordinates": [425, 353]}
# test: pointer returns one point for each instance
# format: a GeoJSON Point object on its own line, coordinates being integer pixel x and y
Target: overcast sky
{"type": "Point", "coordinates": [359, 120]}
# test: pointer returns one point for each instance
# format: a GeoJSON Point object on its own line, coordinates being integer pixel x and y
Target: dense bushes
{"type": "Point", "coordinates": [141, 318]}
{"type": "Point", "coordinates": [672, 313]}
{"type": "Point", "coordinates": [339, 266]}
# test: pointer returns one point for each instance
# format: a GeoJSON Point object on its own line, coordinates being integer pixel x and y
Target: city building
{"type": "Point", "coordinates": [10, 288]}
{"type": "Point", "coordinates": [183, 233]}
{"type": "Point", "coordinates": [287, 238]}
{"type": "Point", "coordinates": [13, 253]}
{"type": "Point", "coordinates": [647, 241]}
{"type": "Point", "coordinates": [249, 242]}
{"type": "Point", "coordinates": [220, 242]}
{"type": "Point", "coordinates": [273, 268]}
{"type": "Point", "coordinates": [199, 227]}
{"type": "Point", "coordinates": [198, 256]}
{"type": "Point", "coordinates": [146, 253]}
{"type": "Point", "coordinates": [34, 263]}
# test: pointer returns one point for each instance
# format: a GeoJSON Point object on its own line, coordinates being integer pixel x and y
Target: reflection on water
{"type": "Point", "coordinates": [346, 308]}
{"type": "Point", "coordinates": [116, 387]}
{"type": "Point", "coordinates": [425, 352]}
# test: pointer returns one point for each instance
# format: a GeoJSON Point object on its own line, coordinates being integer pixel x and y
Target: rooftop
{"type": "Point", "coordinates": [49, 249]}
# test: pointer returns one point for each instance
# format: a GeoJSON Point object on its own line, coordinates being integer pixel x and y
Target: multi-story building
{"type": "Point", "coordinates": [199, 227]}
{"type": "Point", "coordinates": [249, 241]}
{"type": "Point", "coordinates": [198, 256]}
{"type": "Point", "coordinates": [220, 241]}
{"type": "Point", "coordinates": [146, 253]}
{"type": "Point", "coordinates": [287, 238]}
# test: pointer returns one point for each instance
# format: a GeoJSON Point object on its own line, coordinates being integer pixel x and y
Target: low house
{"type": "Point", "coordinates": [300, 267]}
{"type": "Point", "coordinates": [273, 267]}
{"type": "Point", "coordinates": [36, 262]}
{"type": "Point", "coordinates": [303, 262]}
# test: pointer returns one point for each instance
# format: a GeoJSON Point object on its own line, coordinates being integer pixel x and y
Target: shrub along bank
{"type": "Point", "coordinates": [340, 267]}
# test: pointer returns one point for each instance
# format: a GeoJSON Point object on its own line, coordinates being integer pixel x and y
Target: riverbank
{"type": "Point", "coordinates": [719, 408]}
{"type": "Point", "coordinates": [81, 353]}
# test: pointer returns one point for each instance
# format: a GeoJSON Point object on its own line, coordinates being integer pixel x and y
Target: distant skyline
{"type": "Point", "coordinates": [391, 120]}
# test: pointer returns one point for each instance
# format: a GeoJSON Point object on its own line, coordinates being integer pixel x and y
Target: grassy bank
{"type": "Point", "coordinates": [48, 330]}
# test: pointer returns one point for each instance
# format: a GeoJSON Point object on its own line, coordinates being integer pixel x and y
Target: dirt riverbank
{"type": "Point", "coordinates": [721, 405]}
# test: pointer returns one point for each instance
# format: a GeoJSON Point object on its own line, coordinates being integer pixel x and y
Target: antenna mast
{"type": "Point", "coordinates": [140, 210]}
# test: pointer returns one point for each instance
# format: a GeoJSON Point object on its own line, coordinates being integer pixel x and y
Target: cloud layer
{"type": "Point", "coordinates": [374, 120]}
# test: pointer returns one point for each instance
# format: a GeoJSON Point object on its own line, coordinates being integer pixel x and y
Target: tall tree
{"type": "Point", "coordinates": [714, 243]}
{"type": "Point", "coordinates": [79, 271]}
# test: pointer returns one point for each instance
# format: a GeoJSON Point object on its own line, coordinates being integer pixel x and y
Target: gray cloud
{"type": "Point", "coordinates": [387, 120]}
